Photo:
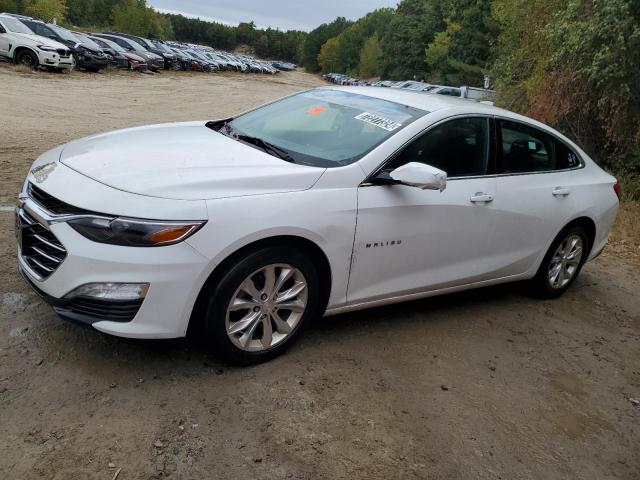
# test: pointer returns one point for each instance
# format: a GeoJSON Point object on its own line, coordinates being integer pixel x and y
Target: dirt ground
{"type": "Point", "coordinates": [485, 384]}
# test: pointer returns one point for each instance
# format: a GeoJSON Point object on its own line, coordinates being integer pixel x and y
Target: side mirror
{"type": "Point", "coordinates": [418, 175]}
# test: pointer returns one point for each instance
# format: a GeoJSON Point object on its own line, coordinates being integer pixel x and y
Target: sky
{"type": "Point", "coordinates": [283, 14]}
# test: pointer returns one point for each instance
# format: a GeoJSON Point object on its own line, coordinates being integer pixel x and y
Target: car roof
{"type": "Point", "coordinates": [431, 102]}
{"type": "Point", "coordinates": [427, 101]}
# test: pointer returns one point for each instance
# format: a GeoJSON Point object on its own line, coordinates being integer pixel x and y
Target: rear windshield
{"type": "Point", "coordinates": [327, 128]}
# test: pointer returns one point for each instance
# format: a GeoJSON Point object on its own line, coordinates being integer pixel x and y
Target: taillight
{"type": "Point", "coordinates": [617, 189]}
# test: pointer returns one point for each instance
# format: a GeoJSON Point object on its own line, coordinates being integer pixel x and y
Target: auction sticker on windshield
{"type": "Point", "coordinates": [384, 123]}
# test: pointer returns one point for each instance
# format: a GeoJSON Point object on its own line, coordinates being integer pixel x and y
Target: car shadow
{"type": "Point", "coordinates": [183, 354]}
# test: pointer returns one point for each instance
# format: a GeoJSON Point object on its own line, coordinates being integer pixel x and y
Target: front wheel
{"type": "Point", "coordinates": [261, 304]}
{"type": "Point", "coordinates": [562, 263]}
{"type": "Point", "coordinates": [28, 59]}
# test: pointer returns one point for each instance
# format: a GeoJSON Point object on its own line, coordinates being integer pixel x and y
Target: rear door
{"type": "Point", "coordinates": [535, 194]}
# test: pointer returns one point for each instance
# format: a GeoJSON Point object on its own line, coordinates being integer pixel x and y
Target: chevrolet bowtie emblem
{"type": "Point", "coordinates": [42, 172]}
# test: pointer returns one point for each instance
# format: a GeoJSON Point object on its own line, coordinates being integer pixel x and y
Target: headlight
{"type": "Point", "coordinates": [45, 48]}
{"type": "Point", "coordinates": [133, 233]}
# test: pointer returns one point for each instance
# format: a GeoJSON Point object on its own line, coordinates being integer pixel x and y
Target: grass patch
{"type": "Point", "coordinates": [625, 235]}
{"type": "Point", "coordinates": [22, 69]}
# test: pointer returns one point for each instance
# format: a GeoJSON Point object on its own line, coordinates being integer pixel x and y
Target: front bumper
{"type": "Point", "coordinates": [90, 61]}
{"type": "Point", "coordinates": [155, 64]}
{"type": "Point", "coordinates": [174, 273]}
{"type": "Point", "coordinates": [54, 60]}
{"type": "Point", "coordinates": [87, 310]}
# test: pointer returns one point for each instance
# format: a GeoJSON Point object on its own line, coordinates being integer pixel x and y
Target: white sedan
{"type": "Point", "coordinates": [327, 201]}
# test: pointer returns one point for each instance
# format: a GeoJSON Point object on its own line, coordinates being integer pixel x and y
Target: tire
{"type": "Point", "coordinates": [28, 59]}
{"type": "Point", "coordinates": [563, 259]}
{"type": "Point", "coordinates": [240, 334]}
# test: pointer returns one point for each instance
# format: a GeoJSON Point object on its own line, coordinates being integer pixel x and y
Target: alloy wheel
{"type": "Point", "coordinates": [267, 307]}
{"type": "Point", "coordinates": [27, 60]}
{"type": "Point", "coordinates": [565, 262]}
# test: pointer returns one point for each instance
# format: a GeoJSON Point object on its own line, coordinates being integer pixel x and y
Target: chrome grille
{"type": "Point", "coordinates": [52, 204]}
{"type": "Point", "coordinates": [39, 247]}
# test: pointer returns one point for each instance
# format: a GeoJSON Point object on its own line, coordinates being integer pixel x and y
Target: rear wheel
{"type": "Point", "coordinates": [260, 305]}
{"type": "Point", "coordinates": [562, 263]}
{"type": "Point", "coordinates": [28, 59]}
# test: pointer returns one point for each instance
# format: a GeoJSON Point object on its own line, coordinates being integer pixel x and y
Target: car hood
{"type": "Point", "coordinates": [38, 40]}
{"type": "Point", "coordinates": [185, 161]}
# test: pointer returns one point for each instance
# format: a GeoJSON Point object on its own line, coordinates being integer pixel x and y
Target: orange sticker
{"type": "Point", "coordinates": [316, 110]}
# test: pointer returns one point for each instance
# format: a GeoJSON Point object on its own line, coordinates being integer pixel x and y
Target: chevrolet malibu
{"type": "Point", "coordinates": [323, 202]}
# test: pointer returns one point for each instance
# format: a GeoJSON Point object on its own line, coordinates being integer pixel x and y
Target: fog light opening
{"type": "Point", "coordinates": [111, 291]}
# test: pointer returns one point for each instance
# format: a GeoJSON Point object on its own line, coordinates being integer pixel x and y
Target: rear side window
{"type": "Point", "coordinates": [459, 147]}
{"type": "Point", "coordinates": [526, 149]}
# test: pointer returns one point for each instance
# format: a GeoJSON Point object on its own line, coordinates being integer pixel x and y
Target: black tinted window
{"type": "Point", "coordinates": [458, 147]}
{"type": "Point", "coordinates": [565, 157]}
{"type": "Point", "coordinates": [526, 149]}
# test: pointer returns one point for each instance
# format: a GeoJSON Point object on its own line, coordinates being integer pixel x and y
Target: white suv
{"type": "Point", "coordinates": [19, 44]}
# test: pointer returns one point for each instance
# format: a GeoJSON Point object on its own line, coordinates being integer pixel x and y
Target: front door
{"type": "Point", "coordinates": [410, 240]}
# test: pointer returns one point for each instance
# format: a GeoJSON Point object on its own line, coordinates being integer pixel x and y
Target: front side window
{"type": "Point", "coordinates": [459, 147]}
{"type": "Point", "coordinates": [525, 149]}
{"type": "Point", "coordinates": [324, 127]}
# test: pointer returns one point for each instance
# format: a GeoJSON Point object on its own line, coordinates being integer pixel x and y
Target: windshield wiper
{"type": "Point", "coordinates": [226, 129]}
{"type": "Point", "coordinates": [267, 147]}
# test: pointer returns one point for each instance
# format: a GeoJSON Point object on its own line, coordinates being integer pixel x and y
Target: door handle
{"type": "Point", "coordinates": [561, 192]}
{"type": "Point", "coordinates": [481, 198]}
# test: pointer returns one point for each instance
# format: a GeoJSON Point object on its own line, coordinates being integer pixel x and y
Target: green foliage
{"type": "Point", "coordinates": [369, 65]}
{"type": "Point", "coordinates": [350, 43]}
{"type": "Point", "coordinates": [412, 28]}
{"type": "Point", "coordinates": [132, 16]}
{"type": "Point", "coordinates": [317, 38]}
{"type": "Point", "coordinates": [328, 56]}
{"type": "Point", "coordinates": [8, 6]}
{"type": "Point", "coordinates": [46, 9]}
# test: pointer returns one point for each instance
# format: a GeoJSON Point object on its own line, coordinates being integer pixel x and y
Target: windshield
{"type": "Point", "coordinates": [108, 44]}
{"type": "Point", "coordinates": [87, 42]}
{"type": "Point", "coordinates": [325, 128]}
{"type": "Point", "coordinates": [132, 44]}
{"type": "Point", "coordinates": [163, 47]}
{"type": "Point", "coordinates": [15, 26]}
{"type": "Point", "coordinates": [65, 34]}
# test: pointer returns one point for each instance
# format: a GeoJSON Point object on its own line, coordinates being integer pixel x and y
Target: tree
{"type": "Point", "coordinates": [8, 6]}
{"type": "Point", "coordinates": [47, 10]}
{"type": "Point", "coordinates": [246, 33]}
{"type": "Point", "coordinates": [132, 16]}
{"type": "Point", "coordinates": [591, 86]}
{"type": "Point", "coordinates": [438, 52]}
{"type": "Point", "coordinates": [328, 56]}
{"type": "Point", "coordinates": [412, 28]}
{"type": "Point", "coordinates": [317, 38]}
{"type": "Point", "coordinates": [370, 58]}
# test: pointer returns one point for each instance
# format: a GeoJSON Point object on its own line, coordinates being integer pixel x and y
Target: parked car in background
{"type": "Point", "coordinates": [284, 66]}
{"type": "Point", "coordinates": [179, 62]}
{"type": "Point", "coordinates": [88, 56]}
{"type": "Point", "coordinates": [19, 44]}
{"type": "Point", "coordinates": [168, 56]}
{"type": "Point", "coordinates": [154, 62]}
{"type": "Point", "coordinates": [132, 61]}
{"type": "Point", "coordinates": [327, 201]}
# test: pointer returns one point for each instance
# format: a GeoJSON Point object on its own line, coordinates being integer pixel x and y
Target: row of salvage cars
{"type": "Point", "coordinates": [34, 43]}
{"type": "Point", "coordinates": [471, 93]}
